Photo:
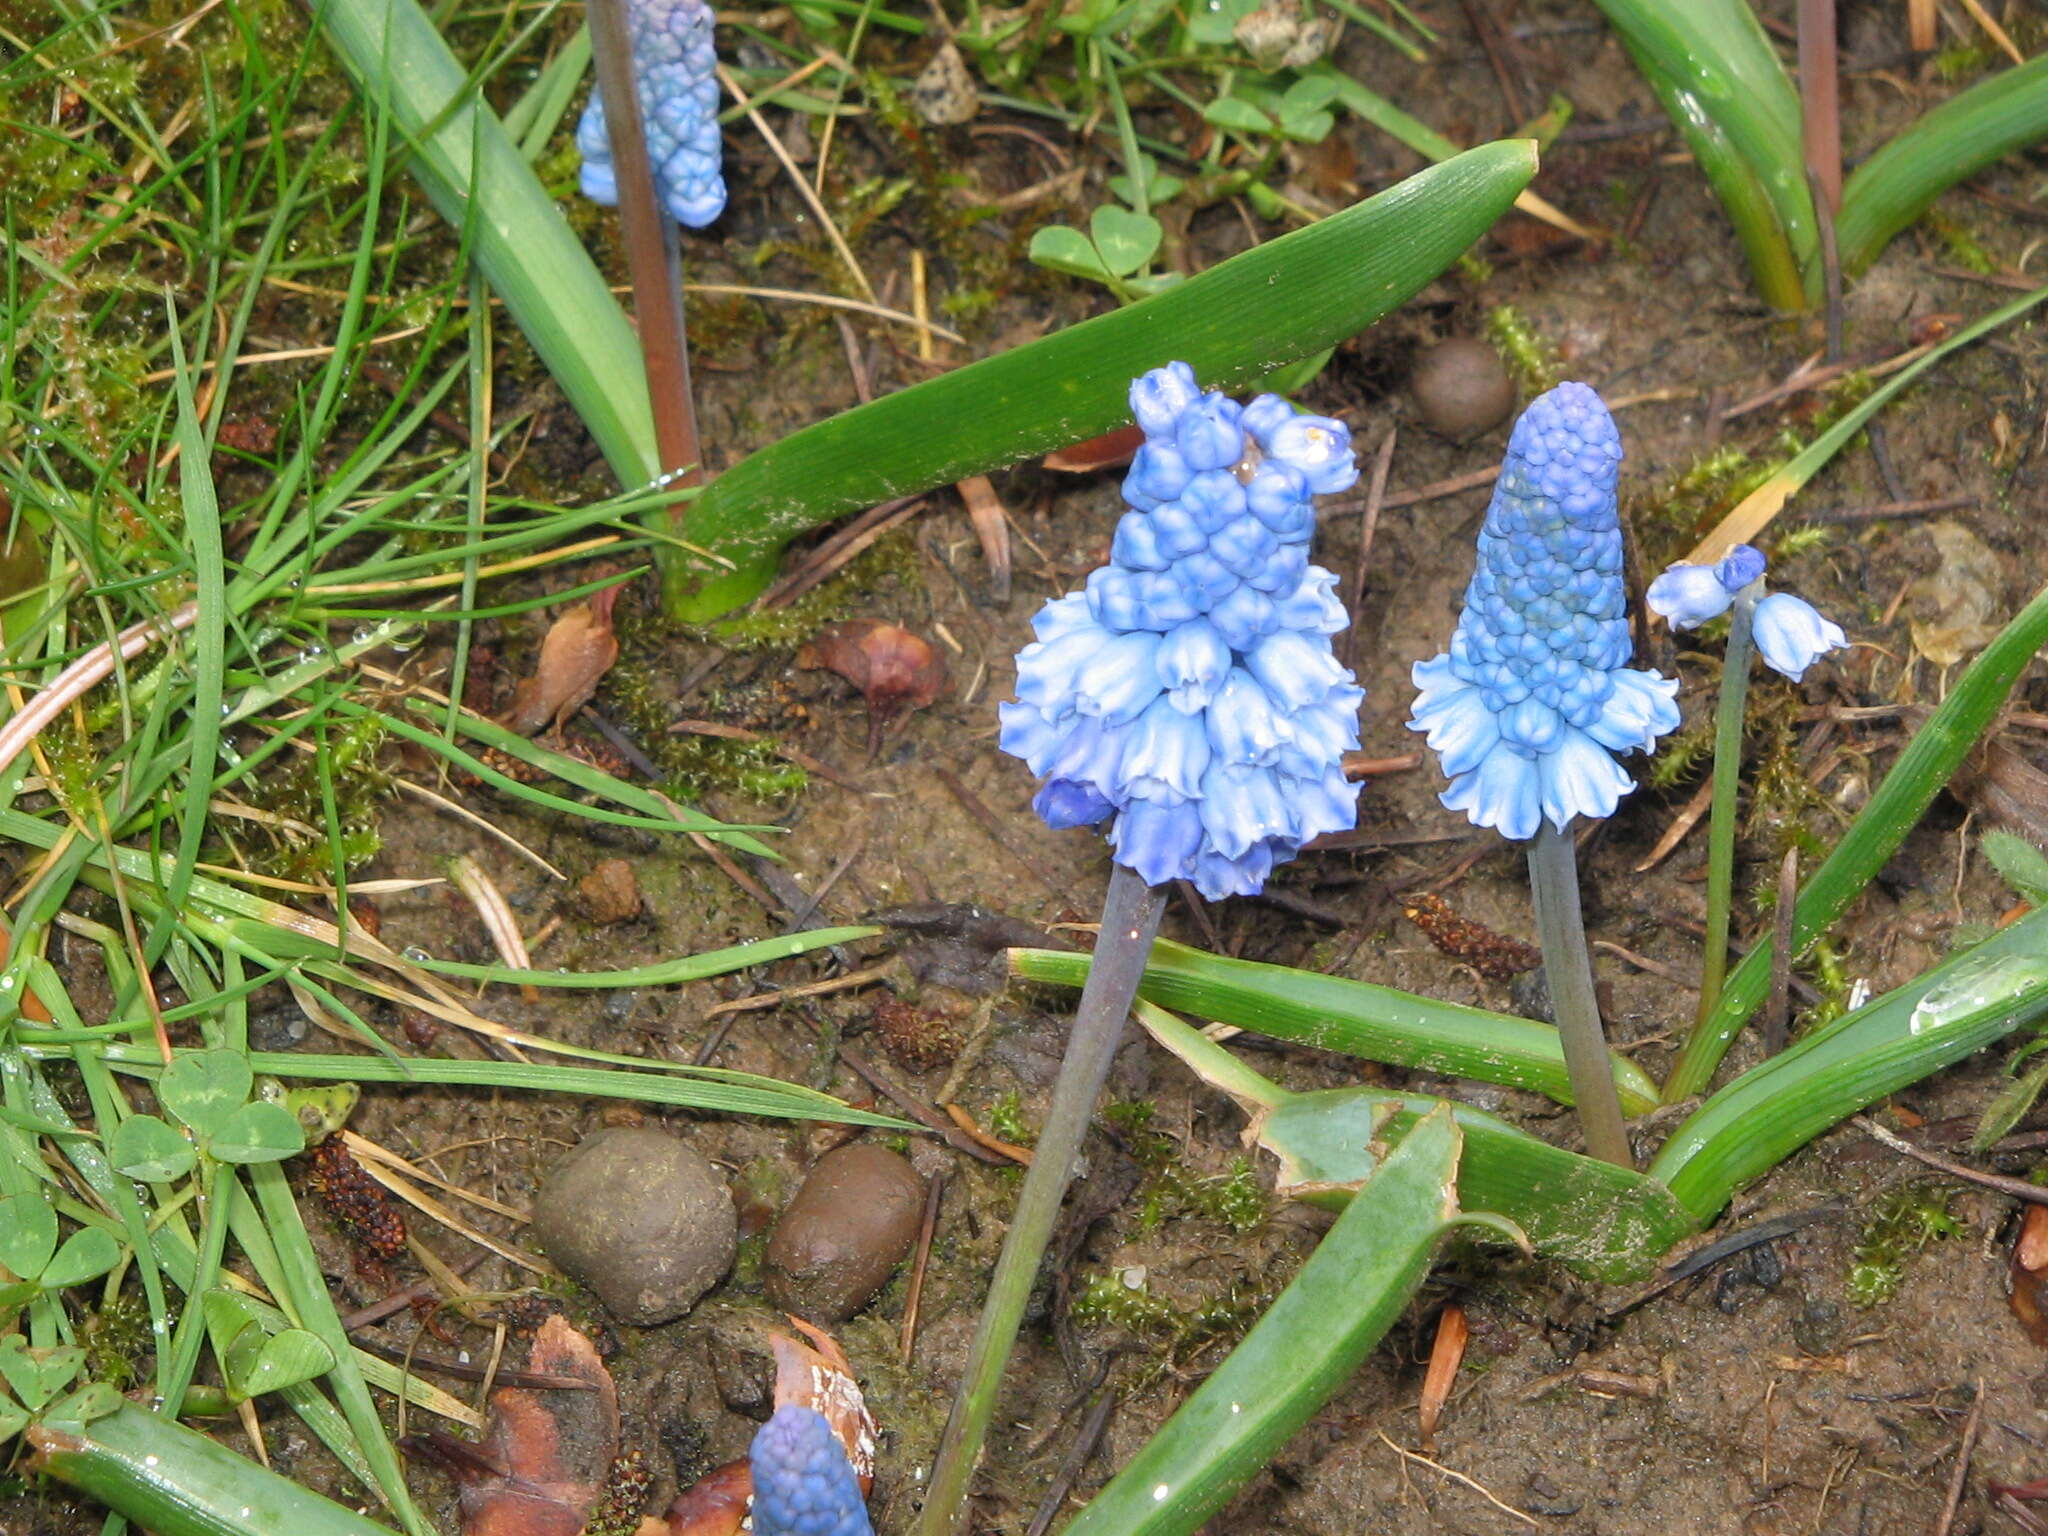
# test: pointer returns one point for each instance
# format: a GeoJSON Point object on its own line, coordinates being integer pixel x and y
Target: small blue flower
{"type": "Point", "coordinates": [803, 1484]}
{"type": "Point", "coordinates": [1791, 635]}
{"type": "Point", "coordinates": [1190, 691]}
{"type": "Point", "coordinates": [1535, 695]}
{"type": "Point", "coordinates": [1686, 596]}
{"type": "Point", "coordinates": [675, 68]}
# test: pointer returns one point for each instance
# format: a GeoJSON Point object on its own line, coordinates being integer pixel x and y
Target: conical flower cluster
{"type": "Point", "coordinates": [675, 68]}
{"type": "Point", "coordinates": [803, 1485]}
{"type": "Point", "coordinates": [1535, 695]}
{"type": "Point", "coordinates": [1190, 692]}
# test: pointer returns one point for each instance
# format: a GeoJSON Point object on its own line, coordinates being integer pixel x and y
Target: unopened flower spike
{"type": "Point", "coordinates": [1189, 695]}
{"type": "Point", "coordinates": [1189, 699]}
{"type": "Point", "coordinates": [803, 1484]}
{"type": "Point", "coordinates": [675, 69]}
{"type": "Point", "coordinates": [1535, 696]}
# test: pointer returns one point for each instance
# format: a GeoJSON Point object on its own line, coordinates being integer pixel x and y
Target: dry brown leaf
{"type": "Point", "coordinates": [1955, 610]}
{"type": "Point", "coordinates": [716, 1504]}
{"type": "Point", "coordinates": [546, 1450]}
{"type": "Point", "coordinates": [1444, 1360]}
{"type": "Point", "coordinates": [992, 527]}
{"type": "Point", "coordinates": [893, 668]}
{"type": "Point", "coordinates": [579, 649]}
{"type": "Point", "coordinates": [2027, 1282]}
{"type": "Point", "coordinates": [1112, 450]}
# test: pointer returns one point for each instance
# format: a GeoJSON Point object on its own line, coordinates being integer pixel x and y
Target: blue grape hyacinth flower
{"type": "Point", "coordinates": [803, 1484]}
{"type": "Point", "coordinates": [1535, 696]}
{"type": "Point", "coordinates": [675, 69]}
{"type": "Point", "coordinates": [1190, 692]}
{"type": "Point", "coordinates": [1790, 633]}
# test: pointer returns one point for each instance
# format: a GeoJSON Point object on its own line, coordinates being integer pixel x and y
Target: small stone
{"type": "Point", "coordinates": [610, 893]}
{"type": "Point", "coordinates": [854, 1219]}
{"type": "Point", "coordinates": [641, 1219]}
{"type": "Point", "coordinates": [1461, 388]}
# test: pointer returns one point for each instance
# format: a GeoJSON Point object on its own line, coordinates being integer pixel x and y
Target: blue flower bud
{"type": "Point", "coordinates": [1190, 691]}
{"type": "Point", "coordinates": [1534, 693]}
{"type": "Point", "coordinates": [1791, 635]}
{"type": "Point", "coordinates": [675, 72]}
{"type": "Point", "coordinates": [803, 1483]}
{"type": "Point", "coordinates": [1739, 567]}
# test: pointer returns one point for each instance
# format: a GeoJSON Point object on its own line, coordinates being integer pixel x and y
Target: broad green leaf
{"type": "Point", "coordinates": [1235, 113]}
{"type": "Point", "coordinates": [94, 1400]}
{"type": "Point", "coordinates": [1214, 21]}
{"type": "Point", "coordinates": [28, 1234]}
{"type": "Point", "coordinates": [1233, 324]}
{"type": "Point", "coordinates": [20, 1291]}
{"type": "Point", "coordinates": [1125, 240]}
{"type": "Point", "coordinates": [2019, 864]}
{"type": "Point", "coordinates": [13, 1418]}
{"type": "Point", "coordinates": [1311, 93]}
{"type": "Point", "coordinates": [257, 1363]}
{"type": "Point", "coordinates": [144, 1147]}
{"type": "Point", "coordinates": [2010, 1107]}
{"type": "Point", "coordinates": [1306, 127]}
{"type": "Point", "coordinates": [87, 1254]}
{"type": "Point", "coordinates": [203, 1088]}
{"type": "Point", "coordinates": [1353, 1288]}
{"type": "Point", "coordinates": [1069, 251]}
{"type": "Point", "coordinates": [259, 1133]}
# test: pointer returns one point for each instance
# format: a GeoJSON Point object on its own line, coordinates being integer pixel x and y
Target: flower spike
{"type": "Point", "coordinates": [675, 68]}
{"type": "Point", "coordinates": [1535, 695]}
{"type": "Point", "coordinates": [803, 1484]}
{"type": "Point", "coordinates": [1190, 691]}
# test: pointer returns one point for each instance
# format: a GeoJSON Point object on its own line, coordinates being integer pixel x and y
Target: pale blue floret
{"type": "Point", "coordinates": [1189, 691]}
{"type": "Point", "coordinates": [803, 1483]}
{"type": "Point", "coordinates": [675, 68]}
{"type": "Point", "coordinates": [1791, 635]}
{"type": "Point", "coordinates": [1535, 695]}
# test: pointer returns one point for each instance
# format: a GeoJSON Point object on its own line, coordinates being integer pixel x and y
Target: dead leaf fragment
{"type": "Point", "coordinates": [579, 649]}
{"type": "Point", "coordinates": [992, 527]}
{"type": "Point", "coordinates": [2027, 1281]}
{"type": "Point", "coordinates": [1955, 610]}
{"type": "Point", "coordinates": [893, 668]}
{"type": "Point", "coordinates": [1112, 450]}
{"type": "Point", "coordinates": [539, 1467]}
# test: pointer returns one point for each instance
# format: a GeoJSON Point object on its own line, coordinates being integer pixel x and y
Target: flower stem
{"type": "Point", "coordinates": [1721, 818]}
{"type": "Point", "coordinates": [1130, 919]}
{"type": "Point", "coordinates": [1554, 882]}
{"type": "Point", "coordinates": [653, 252]}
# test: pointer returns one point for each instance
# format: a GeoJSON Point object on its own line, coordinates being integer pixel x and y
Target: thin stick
{"type": "Point", "coordinates": [1554, 881]}
{"type": "Point", "coordinates": [1368, 525]}
{"type": "Point", "coordinates": [1771, 1031]}
{"type": "Point", "coordinates": [1721, 819]}
{"type": "Point", "coordinates": [2019, 1189]}
{"type": "Point", "coordinates": [775, 146]}
{"type": "Point", "coordinates": [1820, 112]}
{"type": "Point", "coordinates": [1130, 919]}
{"type": "Point", "coordinates": [653, 256]}
{"type": "Point", "coordinates": [934, 1192]}
{"type": "Point", "coordinates": [1457, 1477]}
{"type": "Point", "coordinates": [1959, 1479]}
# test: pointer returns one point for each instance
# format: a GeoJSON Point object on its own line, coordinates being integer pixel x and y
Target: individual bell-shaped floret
{"type": "Point", "coordinates": [675, 67]}
{"type": "Point", "coordinates": [1190, 693]}
{"type": "Point", "coordinates": [1791, 635]}
{"type": "Point", "coordinates": [1535, 693]}
{"type": "Point", "coordinates": [803, 1484]}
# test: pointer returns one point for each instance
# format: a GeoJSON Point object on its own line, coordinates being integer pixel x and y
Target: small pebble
{"type": "Point", "coordinates": [1461, 388]}
{"type": "Point", "coordinates": [610, 893]}
{"type": "Point", "coordinates": [854, 1219]}
{"type": "Point", "coordinates": [641, 1219]}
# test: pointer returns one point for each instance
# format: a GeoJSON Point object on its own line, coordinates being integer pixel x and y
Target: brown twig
{"type": "Point", "coordinates": [1959, 1479]}
{"type": "Point", "coordinates": [1820, 111]}
{"type": "Point", "coordinates": [838, 550]}
{"type": "Point", "coordinates": [934, 1192]}
{"type": "Point", "coordinates": [1089, 1436]}
{"type": "Point", "coordinates": [1771, 1031]}
{"type": "Point", "coordinates": [917, 1109]}
{"type": "Point", "coordinates": [1880, 511]}
{"type": "Point", "coordinates": [2019, 1189]}
{"type": "Point", "coordinates": [972, 804]}
{"type": "Point", "coordinates": [1368, 525]}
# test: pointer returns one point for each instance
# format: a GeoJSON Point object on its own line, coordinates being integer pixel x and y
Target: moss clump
{"type": "Point", "coordinates": [1529, 355]}
{"type": "Point", "coordinates": [1234, 1198]}
{"type": "Point", "coordinates": [1121, 1301]}
{"type": "Point", "coordinates": [116, 1340]}
{"type": "Point", "coordinates": [1903, 1222]}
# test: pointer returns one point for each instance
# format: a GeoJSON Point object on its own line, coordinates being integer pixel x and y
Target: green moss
{"type": "Point", "coordinates": [1235, 1198]}
{"type": "Point", "coordinates": [1006, 1120]}
{"type": "Point", "coordinates": [1121, 1301]}
{"type": "Point", "coordinates": [1529, 355]}
{"type": "Point", "coordinates": [116, 1340]}
{"type": "Point", "coordinates": [1904, 1221]}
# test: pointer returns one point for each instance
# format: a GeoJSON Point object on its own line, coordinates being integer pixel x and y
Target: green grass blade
{"type": "Point", "coordinates": [1354, 1017]}
{"type": "Point", "coordinates": [1956, 139]}
{"type": "Point", "coordinates": [1934, 753]}
{"type": "Point", "coordinates": [1352, 1289]}
{"type": "Point", "coordinates": [178, 1482]}
{"type": "Point", "coordinates": [472, 171]}
{"type": "Point", "coordinates": [712, 962]}
{"type": "Point", "coordinates": [1760, 1118]}
{"type": "Point", "coordinates": [1611, 1223]}
{"type": "Point", "coordinates": [1234, 324]}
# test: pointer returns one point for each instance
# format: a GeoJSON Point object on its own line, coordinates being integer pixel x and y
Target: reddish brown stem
{"type": "Point", "coordinates": [1819, 98]}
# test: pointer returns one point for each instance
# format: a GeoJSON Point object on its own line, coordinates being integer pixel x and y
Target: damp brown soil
{"type": "Point", "coordinates": [1758, 1398]}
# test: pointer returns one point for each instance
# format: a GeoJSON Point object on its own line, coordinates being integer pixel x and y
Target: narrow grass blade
{"type": "Point", "coordinates": [1755, 511]}
{"type": "Point", "coordinates": [1610, 1223]}
{"type": "Point", "coordinates": [712, 962]}
{"type": "Point", "coordinates": [1760, 1118]}
{"type": "Point", "coordinates": [1354, 1017]}
{"type": "Point", "coordinates": [1894, 810]}
{"type": "Point", "coordinates": [1955, 140]}
{"type": "Point", "coordinates": [1351, 1290]}
{"type": "Point", "coordinates": [177, 1482]}
{"type": "Point", "coordinates": [474, 174]}
{"type": "Point", "coordinates": [1234, 324]}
